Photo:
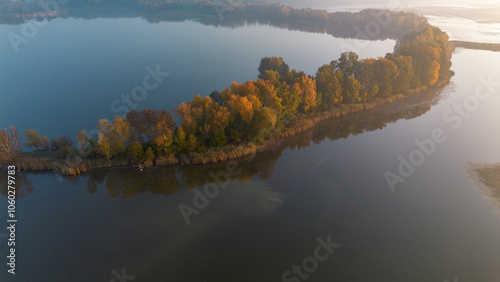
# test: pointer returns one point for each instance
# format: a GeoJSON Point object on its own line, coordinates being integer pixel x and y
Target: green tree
{"type": "Point", "coordinates": [274, 64]}
{"type": "Point", "coordinates": [271, 76]}
{"type": "Point", "coordinates": [351, 90]}
{"type": "Point", "coordinates": [114, 137]}
{"type": "Point", "coordinates": [63, 146]}
{"type": "Point", "coordinates": [149, 155]}
{"type": "Point", "coordinates": [134, 153]}
{"type": "Point", "coordinates": [201, 117]}
{"type": "Point", "coordinates": [308, 94]}
{"type": "Point", "coordinates": [192, 144]}
{"type": "Point", "coordinates": [180, 140]}
{"type": "Point", "coordinates": [268, 95]}
{"type": "Point", "coordinates": [386, 73]}
{"type": "Point", "coordinates": [366, 78]}
{"type": "Point", "coordinates": [405, 74]}
{"type": "Point", "coordinates": [348, 63]}
{"type": "Point", "coordinates": [290, 98]}
{"type": "Point", "coordinates": [262, 122]}
{"type": "Point", "coordinates": [218, 139]}
{"type": "Point", "coordinates": [328, 87]}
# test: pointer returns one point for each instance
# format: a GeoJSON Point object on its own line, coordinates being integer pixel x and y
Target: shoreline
{"type": "Point", "coordinates": [486, 182]}
{"type": "Point", "coordinates": [494, 47]}
{"type": "Point", "coordinates": [38, 161]}
{"type": "Point", "coordinates": [229, 128]}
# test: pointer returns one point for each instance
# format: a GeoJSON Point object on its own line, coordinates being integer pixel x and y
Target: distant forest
{"type": "Point", "coordinates": [226, 13]}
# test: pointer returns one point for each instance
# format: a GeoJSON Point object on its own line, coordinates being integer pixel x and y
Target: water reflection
{"type": "Point", "coordinates": [342, 28]}
{"type": "Point", "coordinates": [23, 184]}
{"type": "Point", "coordinates": [127, 183]}
{"type": "Point", "coordinates": [337, 29]}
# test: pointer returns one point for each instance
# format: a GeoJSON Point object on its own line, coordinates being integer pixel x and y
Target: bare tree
{"type": "Point", "coordinates": [10, 144]}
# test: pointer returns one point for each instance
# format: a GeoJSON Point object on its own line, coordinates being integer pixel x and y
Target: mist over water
{"type": "Point", "coordinates": [327, 181]}
{"type": "Point", "coordinates": [475, 21]}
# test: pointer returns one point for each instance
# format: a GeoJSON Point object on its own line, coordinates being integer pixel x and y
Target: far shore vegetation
{"type": "Point", "coordinates": [244, 117]}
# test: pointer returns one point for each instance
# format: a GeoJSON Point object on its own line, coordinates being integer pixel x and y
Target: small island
{"type": "Point", "coordinates": [248, 117]}
{"type": "Point", "coordinates": [486, 178]}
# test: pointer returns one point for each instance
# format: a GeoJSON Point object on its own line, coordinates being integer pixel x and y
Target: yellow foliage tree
{"type": "Point", "coordinates": [113, 137]}
{"type": "Point", "coordinates": [33, 139]}
{"type": "Point", "coordinates": [308, 93]}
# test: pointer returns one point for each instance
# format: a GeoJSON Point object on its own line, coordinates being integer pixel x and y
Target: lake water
{"type": "Point", "coordinates": [326, 184]}
{"type": "Point", "coordinates": [69, 83]}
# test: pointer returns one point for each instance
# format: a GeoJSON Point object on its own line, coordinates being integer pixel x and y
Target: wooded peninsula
{"type": "Point", "coordinates": [251, 116]}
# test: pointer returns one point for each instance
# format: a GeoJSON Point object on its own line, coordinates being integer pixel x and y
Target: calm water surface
{"type": "Point", "coordinates": [68, 75]}
{"type": "Point", "coordinates": [328, 181]}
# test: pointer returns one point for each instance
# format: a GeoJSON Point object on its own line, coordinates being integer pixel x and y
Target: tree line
{"type": "Point", "coordinates": [128, 184]}
{"type": "Point", "coordinates": [255, 111]}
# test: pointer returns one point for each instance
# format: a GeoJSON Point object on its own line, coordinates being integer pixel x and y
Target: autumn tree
{"type": "Point", "coordinates": [367, 80]}
{"type": "Point", "coordinates": [250, 120]}
{"type": "Point", "coordinates": [271, 76]}
{"type": "Point", "coordinates": [242, 106]}
{"type": "Point", "coordinates": [33, 139]}
{"type": "Point", "coordinates": [152, 126]}
{"type": "Point", "coordinates": [430, 55]}
{"type": "Point", "coordinates": [307, 94]}
{"type": "Point", "coordinates": [180, 140]}
{"type": "Point", "coordinates": [148, 156]}
{"type": "Point", "coordinates": [432, 74]}
{"type": "Point", "coordinates": [201, 119]}
{"type": "Point", "coordinates": [405, 74]}
{"type": "Point", "coordinates": [385, 72]}
{"type": "Point", "coordinates": [114, 137]}
{"type": "Point", "coordinates": [244, 89]}
{"type": "Point", "coordinates": [290, 98]}
{"type": "Point", "coordinates": [350, 91]}
{"type": "Point", "coordinates": [328, 87]}
{"type": "Point", "coordinates": [89, 146]}
{"type": "Point", "coordinates": [268, 95]}
{"type": "Point", "coordinates": [10, 145]}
